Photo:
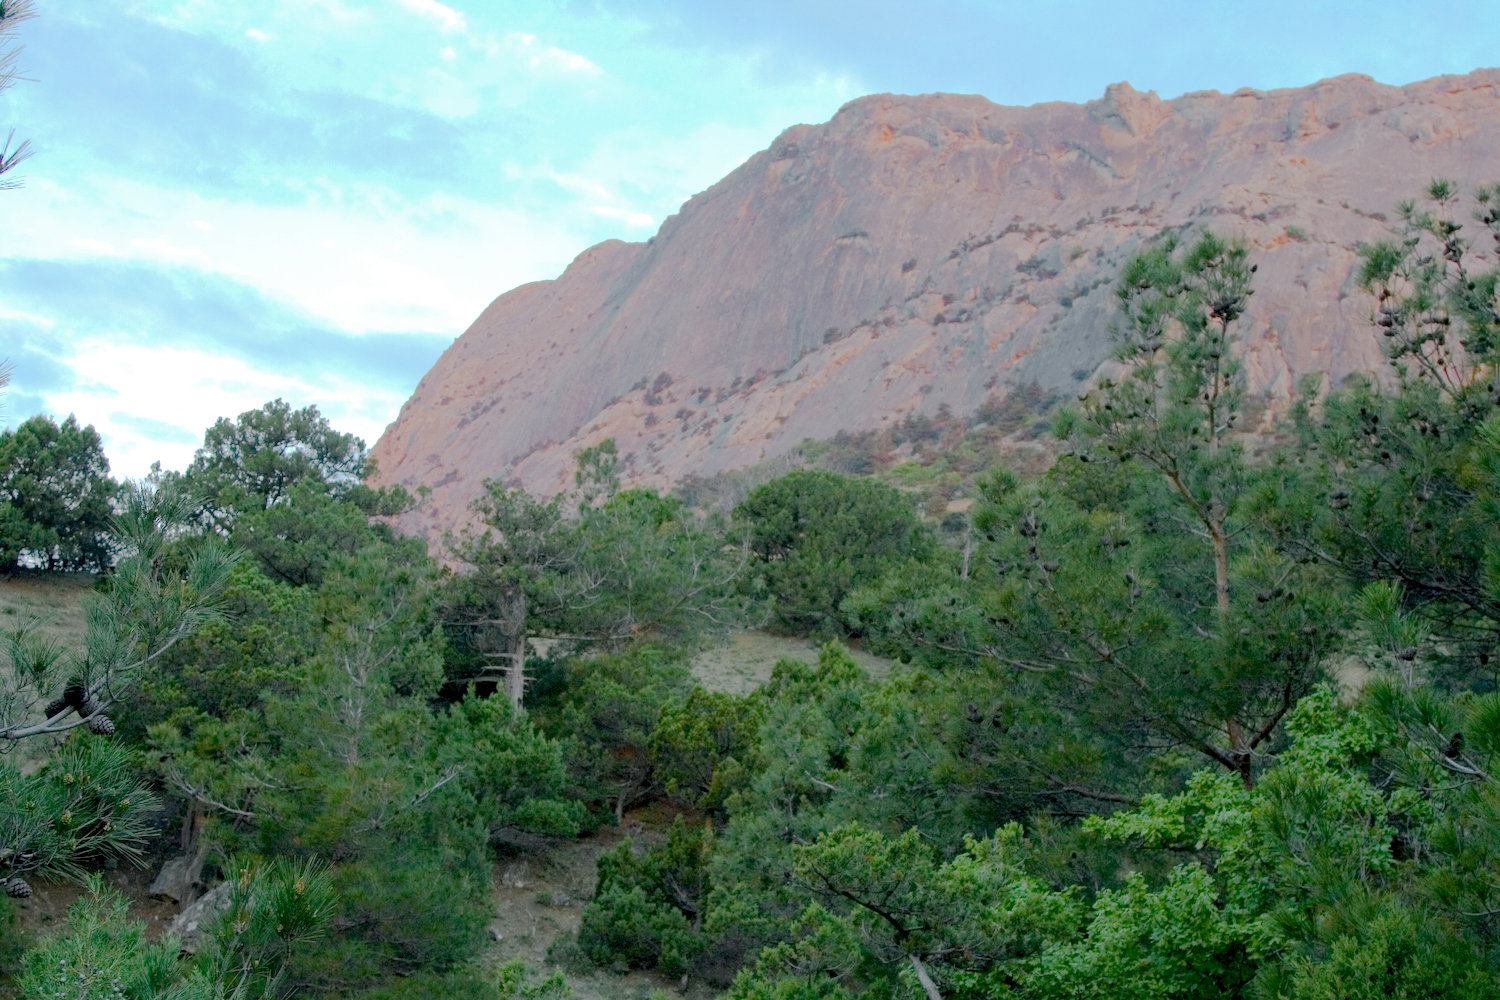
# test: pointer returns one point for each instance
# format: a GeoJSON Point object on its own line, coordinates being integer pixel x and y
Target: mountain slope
{"type": "Point", "coordinates": [915, 252]}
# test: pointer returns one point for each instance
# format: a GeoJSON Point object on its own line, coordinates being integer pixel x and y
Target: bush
{"type": "Point", "coordinates": [648, 910]}
{"type": "Point", "coordinates": [625, 927]}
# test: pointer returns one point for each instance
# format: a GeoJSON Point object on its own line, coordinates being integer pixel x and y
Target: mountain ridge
{"type": "Point", "coordinates": [917, 252]}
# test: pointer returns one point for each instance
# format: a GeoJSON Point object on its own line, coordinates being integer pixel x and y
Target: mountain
{"type": "Point", "coordinates": [920, 252]}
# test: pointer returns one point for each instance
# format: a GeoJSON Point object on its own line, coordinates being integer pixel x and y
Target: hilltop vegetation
{"type": "Point", "coordinates": [1173, 718]}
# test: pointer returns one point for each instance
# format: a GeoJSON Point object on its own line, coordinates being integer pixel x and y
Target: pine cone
{"type": "Point", "coordinates": [90, 707]}
{"type": "Point", "coordinates": [16, 887]}
{"type": "Point", "coordinates": [1408, 654]}
{"type": "Point", "coordinates": [101, 725]}
{"type": "Point", "coordinates": [54, 706]}
{"type": "Point", "coordinates": [75, 693]}
{"type": "Point", "coordinates": [1455, 746]}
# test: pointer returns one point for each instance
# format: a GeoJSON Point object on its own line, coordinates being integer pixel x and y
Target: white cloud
{"type": "Point", "coordinates": [96, 248]}
{"type": "Point", "coordinates": [549, 57]}
{"type": "Point", "coordinates": [121, 387]}
{"type": "Point", "coordinates": [636, 220]}
{"type": "Point", "coordinates": [441, 14]}
{"type": "Point", "coordinates": [256, 35]}
{"type": "Point", "coordinates": [358, 258]}
{"type": "Point", "coordinates": [158, 249]}
{"type": "Point", "coordinates": [29, 318]}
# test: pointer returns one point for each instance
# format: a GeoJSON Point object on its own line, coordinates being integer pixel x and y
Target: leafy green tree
{"type": "Point", "coordinates": [648, 909]}
{"type": "Point", "coordinates": [647, 567]}
{"type": "Point", "coordinates": [55, 497]}
{"type": "Point", "coordinates": [298, 539]}
{"type": "Point", "coordinates": [255, 461]}
{"type": "Point", "coordinates": [520, 560]}
{"type": "Point", "coordinates": [701, 743]}
{"type": "Point", "coordinates": [607, 710]}
{"type": "Point", "coordinates": [1349, 870]}
{"type": "Point", "coordinates": [816, 536]}
{"type": "Point", "coordinates": [346, 754]}
{"type": "Point", "coordinates": [634, 566]}
{"type": "Point", "coordinates": [1182, 390]}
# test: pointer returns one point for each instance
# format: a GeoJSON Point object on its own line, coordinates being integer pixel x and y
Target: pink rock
{"type": "Point", "coordinates": [920, 251]}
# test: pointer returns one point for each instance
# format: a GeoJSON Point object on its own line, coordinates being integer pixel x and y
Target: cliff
{"type": "Point", "coordinates": [920, 251]}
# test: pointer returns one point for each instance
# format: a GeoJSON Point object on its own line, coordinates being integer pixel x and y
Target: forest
{"type": "Point", "coordinates": [1206, 708]}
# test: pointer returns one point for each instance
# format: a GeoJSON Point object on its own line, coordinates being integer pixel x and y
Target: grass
{"type": "Point", "coordinates": [51, 601]}
{"type": "Point", "coordinates": [746, 660]}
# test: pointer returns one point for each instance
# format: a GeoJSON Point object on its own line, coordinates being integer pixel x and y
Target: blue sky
{"type": "Point", "coordinates": [231, 202]}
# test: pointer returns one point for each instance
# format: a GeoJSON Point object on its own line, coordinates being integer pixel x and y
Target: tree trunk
{"type": "Point", "coordinates": [514, 646]}
{"type": "Point", "coordinates": [1221, 554]}
{"type": "Point", "coordinates": [928, 986]}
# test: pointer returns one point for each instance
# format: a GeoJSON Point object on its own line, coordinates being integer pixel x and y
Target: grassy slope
{"type": "Point", "coordinates": [52, 600]}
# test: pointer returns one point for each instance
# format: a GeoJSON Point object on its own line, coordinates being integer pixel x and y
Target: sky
{"type": "Point", "coordinates": [233, 202]}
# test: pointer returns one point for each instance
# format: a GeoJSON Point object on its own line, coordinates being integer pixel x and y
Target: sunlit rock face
{"type": "Point", "coordinates": [921, 251]}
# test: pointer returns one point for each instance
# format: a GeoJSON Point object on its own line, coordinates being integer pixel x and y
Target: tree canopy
{"type": "Point", "coordinates": [55, 497]}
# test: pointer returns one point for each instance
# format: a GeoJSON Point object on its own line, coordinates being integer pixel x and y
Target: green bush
{"type": "Point", "coordinates": [649, 908]}
{"type": "Point", "coordinates": [624, 927]}
{"type": "Point", "coordinates": [816, 536]}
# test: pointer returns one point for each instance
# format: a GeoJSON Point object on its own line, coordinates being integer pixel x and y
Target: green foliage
{"type": "Point", "coordinates": [1174, 942]}
{"type": "Point", "coordinates": [608, 709]}
{"type": "Point", "coordinates": [55, 497]}
{"type": "Point", "coordinates": [700, 745]}
{"type": "Point", "coordinates": [624, 928]}
{"type": "Point", "coordinates": [100, 955]}
{"type": "Point", "coordinates": [597, 474]}
{"type": "Point", "coordinates": [816, 536]}
{"type": "Point", "coordinates": [255, 461]}
{"type": "Point", "coordinates": [648, 909]}
{"type": "Point", "coordinates": [152, 603]}
{"type": "Point", "coordinates": [273, 912]}
{"type": "Point", "coordinates": [513, 983]}
{"type": "Point", "coordinates": [517, 775]}
{"type": "Point", "coordinates": [1126, 594]}
{"type": "Point", "coordinates": [297, 539]}
{"type": "Point", "coordinates": [84, 805]}
{"type": "Point", "coordinates": [656, 571]}
{"type": "Point", "coordinates": [227, 668]}
{"type": "Point", "coordinates": [633, 566]}
{"type": "Point", "coordinates": [323, 741]}
{"type": "Point", "coordinates": [1401, 485]}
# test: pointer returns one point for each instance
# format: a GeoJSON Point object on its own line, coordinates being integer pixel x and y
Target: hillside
{"type": "Point", "coordinates": [923, 252]}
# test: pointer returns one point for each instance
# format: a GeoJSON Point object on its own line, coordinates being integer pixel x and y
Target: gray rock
{"type": "Point", "coordinates": [191, 924]}
{"type": "Point", "coordinates": [179, 879]}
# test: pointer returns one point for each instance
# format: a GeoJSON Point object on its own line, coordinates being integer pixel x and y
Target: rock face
{"type": "Point", "coordinates": [916, 252]}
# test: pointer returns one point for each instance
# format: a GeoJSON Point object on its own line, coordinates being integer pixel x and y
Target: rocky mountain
{"type": "Point", "coordinates": [916, 252]}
